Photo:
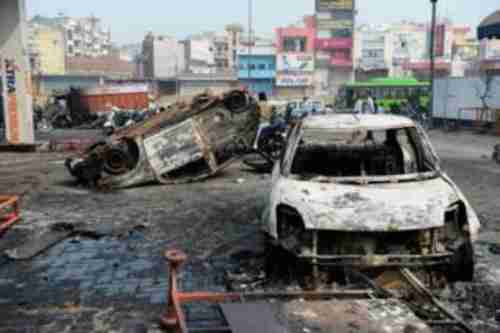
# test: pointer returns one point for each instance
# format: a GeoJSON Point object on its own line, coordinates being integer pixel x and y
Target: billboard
{"type": "Point", "coordinates": [290, 62]}
{"type": "Point", "coordinates": [490, 49]}
{"type": "Point", "coordinates": [334, 24]}
{"type": "Point", "coordinates": [294, 80]}
{"type": "Point", "coordinates": [327, 5]}
{"type": "Point", "coordinates": [333, 43]}
{"type": "Point", "coordinates": [439, 44]}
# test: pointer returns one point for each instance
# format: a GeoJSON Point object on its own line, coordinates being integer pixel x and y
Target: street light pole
{"type": "Point", "coordinates": [250, 19]}
{"type": "Point", "coordinates": [433, 56]}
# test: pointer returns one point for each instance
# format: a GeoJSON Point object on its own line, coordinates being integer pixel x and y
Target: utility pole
{"type": "Point", "coordinates": [433, 57]}
{"type": "Point", "coordinates": [250, 21]}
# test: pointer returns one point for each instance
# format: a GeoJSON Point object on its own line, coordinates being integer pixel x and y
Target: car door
{"type": "Point", "coordinates": [280, 166]}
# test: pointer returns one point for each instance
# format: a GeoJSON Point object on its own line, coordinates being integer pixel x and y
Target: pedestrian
{"type": "Point", "coordinates": [375, 105]}
{"type": "Point", "coordinates": [265, 113]}
{"type": "Point", "coordinates": [370, 103]}
{"type": "Point", "coordinates": [288, 113]}
{"type": "Point", "coordinates": [358, 106]}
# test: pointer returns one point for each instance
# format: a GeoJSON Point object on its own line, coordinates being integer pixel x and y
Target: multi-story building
{"type": "Point", "coordinates": [489, 35]}
{"type": "Point", "coordinates": [200, 54]}
{"type": "Point", "coordinates": [295, 59]}
{"type": "Point", "coordinates": [83, 36]}
{"type": "Point", "coordinates": [334, 43]}
{"type": "Point", "coordinates": [373, 52]}
{"type": "Point", "coordinates": [412, 49]}
{"type": "Point", "coordinates": [257, 67]}
{"type": "Point", "coordinates": [86, 37]}
{"type": "Point", "coordinates": [212, 52]}
{"type": "Point", "coordinates": [162, 56]}
{"type": "Point", "coordinates": [47, 49]}
{"type": "Point", "coordinates": [409, 45]}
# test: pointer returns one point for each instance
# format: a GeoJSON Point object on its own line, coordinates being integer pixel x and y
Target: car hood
{"type": "Point", "coordinates": [379, 207]}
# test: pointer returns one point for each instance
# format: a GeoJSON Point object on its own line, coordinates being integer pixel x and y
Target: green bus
{"type": "Point", "coordinates": [390, 93]}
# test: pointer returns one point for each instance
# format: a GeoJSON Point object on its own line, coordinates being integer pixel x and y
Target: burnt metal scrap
{"type": "Point", "coordinates": [368, 191]}
{"type": "Point", "coordinates": [190, 142]}
{"type": "Point", "coordinates": [9, 212]}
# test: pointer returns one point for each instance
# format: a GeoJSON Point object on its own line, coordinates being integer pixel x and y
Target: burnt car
{"type": "Point", "coordinates": [368, 191]}
{"type": "Point", "coordinates": [189, 142]}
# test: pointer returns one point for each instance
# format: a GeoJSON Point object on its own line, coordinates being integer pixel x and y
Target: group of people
{"type": "Point", "coordinates": [367, 105]}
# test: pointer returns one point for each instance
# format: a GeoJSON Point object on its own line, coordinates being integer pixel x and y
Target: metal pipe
{"type": "Point", "coordinates": [432, 57]}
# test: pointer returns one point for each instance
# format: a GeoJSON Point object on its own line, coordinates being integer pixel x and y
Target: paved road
{"type": "Point", "coordinates": [98, 284]}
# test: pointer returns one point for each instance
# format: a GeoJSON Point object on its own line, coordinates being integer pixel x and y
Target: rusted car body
{"type": "Point", "coordinates": [190, 142]}
{"type": "Point", "coordinates": [368, 191]}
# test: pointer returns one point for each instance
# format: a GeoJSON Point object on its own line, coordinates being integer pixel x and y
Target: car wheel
{"type": "Point", "coordinates": [462, 264]}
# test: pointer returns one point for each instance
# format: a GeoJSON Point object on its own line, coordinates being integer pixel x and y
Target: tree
{"type": "Point", "coordinates": [484, 92]}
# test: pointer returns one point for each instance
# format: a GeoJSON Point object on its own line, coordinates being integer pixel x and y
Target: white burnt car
{"type": "Point", "coordinates": [368, 191]}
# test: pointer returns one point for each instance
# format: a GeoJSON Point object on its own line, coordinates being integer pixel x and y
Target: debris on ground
{"type": "Point", "coordinates": [9, 212]}
{"type": "Point", "coordinates": [188, 143]}
{"type": "Point", "coordinates": [496, 154]}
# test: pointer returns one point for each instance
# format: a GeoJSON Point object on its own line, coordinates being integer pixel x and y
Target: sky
{"type": "Point", "coordinates": [129, 20]}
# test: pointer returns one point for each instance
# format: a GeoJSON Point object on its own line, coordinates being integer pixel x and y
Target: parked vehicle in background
{"type": "Point", "coordinates": [304, 108]}
{"type": "Point", "coordinates": [368, 191]}
{"type": "Point", "coordinates": [390, 93]}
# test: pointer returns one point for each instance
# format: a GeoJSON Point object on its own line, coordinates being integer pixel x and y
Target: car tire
{"type": "Point", "coordinates": [462, 264]}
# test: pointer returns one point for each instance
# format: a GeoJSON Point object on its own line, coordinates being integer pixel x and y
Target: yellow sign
{"type": "Point", "coordinates": [335, 5]}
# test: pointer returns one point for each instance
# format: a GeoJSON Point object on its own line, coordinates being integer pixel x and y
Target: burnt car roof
{"type": "Point", "coordinates": [351, 122]}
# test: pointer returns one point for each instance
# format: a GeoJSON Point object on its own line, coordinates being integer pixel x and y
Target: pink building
{"type": "Point", "coordinates": [295, 47]}
{"type": "Point", "coordinates": [307, 32]}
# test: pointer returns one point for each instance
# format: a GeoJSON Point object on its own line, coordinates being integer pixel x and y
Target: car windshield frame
{"type": "Point", "coordinates": [430, 160]}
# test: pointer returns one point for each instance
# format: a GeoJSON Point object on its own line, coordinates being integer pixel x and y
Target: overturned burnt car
{"type": "Point", "coordinates": [190, 142]}
{"type": "Point", "coordinates": [367, 191]}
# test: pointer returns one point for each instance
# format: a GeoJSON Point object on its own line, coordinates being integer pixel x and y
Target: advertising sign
{"type": "Point", "coordinates": [294, 80]}
{"type": "Point", "coordinates": [334, 24]}
{"type": "Point", "coordinates": [325, 5]}
{"type": "Point", "coordinates": [490, 49]}
{"type": "Point", "coordinates": [440, 40]}
{"type": "Point", "coordinates": [11, 80]}
{"type": "Point", "coordinates": [333, 43]}
{"type": "Point", "coordinates": [288, 62]}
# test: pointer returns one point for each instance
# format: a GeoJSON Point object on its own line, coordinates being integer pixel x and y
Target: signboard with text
{"type": "Point", "coordinates": [326, 5]}
{"type": "Point", "coordinates": [290, 62]}
{"type": "Point", "coordinates": [333, 43]}
{"type": "Point", "coordinates": [294, 80]}
{"type": "Point", "coordinates": [334, 24]}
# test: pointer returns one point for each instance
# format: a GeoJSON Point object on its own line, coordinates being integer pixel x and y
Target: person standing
{"type": "Point", "coordinates": [265, 114]}
{"type": "Point", "coordinates": [370, 104]}
{"type": "Point", "coordinates": [358, 106]}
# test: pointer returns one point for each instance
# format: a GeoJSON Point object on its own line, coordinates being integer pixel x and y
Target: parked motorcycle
{"type": "Point", "coordinates": [270, 143]}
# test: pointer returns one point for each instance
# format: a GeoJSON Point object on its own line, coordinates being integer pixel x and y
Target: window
{"type": "Point", "coordinates": [295, 44]}
{"type": "Point", "coordinates": [262, 67]}
{"type": "Point", "coordinates": [242, 66]}
{"type": "Point", "coordinates": [379, 153]}
{"type": "Point", "coordinates": [343, 33]}
{"type": "Point", "coordinates": [272, 67]}
{"type": "Point", "coordinates": [252, 66]}
{"type": "Point", "coordinates": [324, 34]}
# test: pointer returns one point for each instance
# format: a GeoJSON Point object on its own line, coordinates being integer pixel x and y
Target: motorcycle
{"type": "Point", "coordinates": [269, 145]}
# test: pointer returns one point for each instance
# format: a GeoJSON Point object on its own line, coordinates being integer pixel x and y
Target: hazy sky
{"type": "Point", "coordinates": [130, 19]}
